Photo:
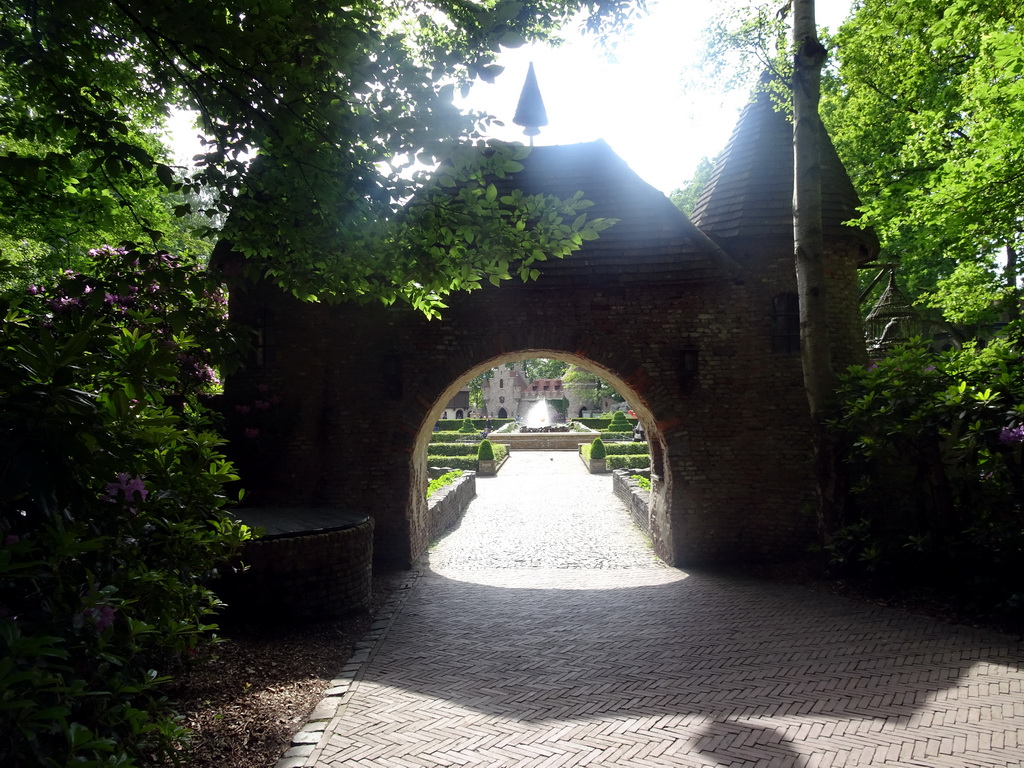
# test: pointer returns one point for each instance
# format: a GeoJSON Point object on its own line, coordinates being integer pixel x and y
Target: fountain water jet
{"type": "Point", "coordinates": [539, 415]}
{"type": "Point", "coordinates": [540, 419]}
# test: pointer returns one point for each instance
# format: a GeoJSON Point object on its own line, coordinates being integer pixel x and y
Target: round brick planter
{"type": "Point", "coordinates": [308, 565]}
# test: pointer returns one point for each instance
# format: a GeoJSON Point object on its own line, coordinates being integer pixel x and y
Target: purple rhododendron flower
{"type": "Point", "coordinates": [127, 486]}
{"type": "Point", "coordinates": [243, 409]}
{"type": "Point", "coordinates": [251, 432]}
{"type": "Point", "coordinates": [64, 302]}
{"type": "Point", "coordinates": [1012, 435]}
{"type": "Point", "coordinates": [103, 615]}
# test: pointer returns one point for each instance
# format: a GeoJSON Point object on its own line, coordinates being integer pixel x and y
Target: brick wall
{"type": "Point", "coordinates": [357, 390]}
{"type": "Point", "coordinates": [447, 505]}
{"type": "Point", "coordinates": [636, 499]}
{"type": "Point", "coordinates": [305, 577]}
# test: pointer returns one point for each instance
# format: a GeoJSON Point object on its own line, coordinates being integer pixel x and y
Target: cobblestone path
{"type": "Point", "coordinates": [544, 633]}
{"type": "Point", "coordinates": [544, 511]}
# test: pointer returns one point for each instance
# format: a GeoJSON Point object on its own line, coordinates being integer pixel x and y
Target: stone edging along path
{"type": "Point", "coordinates": [341, 687]}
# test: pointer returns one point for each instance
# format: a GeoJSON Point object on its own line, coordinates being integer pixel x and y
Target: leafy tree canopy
{"type": "Point", "coordinates": [925, 109]}
{"type": "Point", "coordinates": [338, 105]}
{"type": "Point", "coordinates": [685, 198]}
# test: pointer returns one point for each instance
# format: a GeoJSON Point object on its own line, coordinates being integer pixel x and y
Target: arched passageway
{"type": "Point", "coordinates": [692, 319]}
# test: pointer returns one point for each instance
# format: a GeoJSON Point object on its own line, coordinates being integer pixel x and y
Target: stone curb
{"type": "Point", "coordinates": [339, 693]}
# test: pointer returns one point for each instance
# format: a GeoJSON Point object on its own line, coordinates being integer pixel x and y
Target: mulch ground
{"type": "Point", "coordinates": [245, 701]}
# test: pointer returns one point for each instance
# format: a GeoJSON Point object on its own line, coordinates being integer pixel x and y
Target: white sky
{"type": "Point", "coordinates": [635, 103]}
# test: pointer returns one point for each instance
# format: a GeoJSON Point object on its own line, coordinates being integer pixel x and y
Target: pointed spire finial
{"type": "Point", "coordinates": [530, 113]}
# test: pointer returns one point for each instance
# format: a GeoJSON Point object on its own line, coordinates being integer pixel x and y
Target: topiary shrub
{"type": "Point", "coordinates": [468, 426]}
{"type": "Point", "coordinates": [486, 451]}
{"type": "Point", "coordinates": [597, 450]}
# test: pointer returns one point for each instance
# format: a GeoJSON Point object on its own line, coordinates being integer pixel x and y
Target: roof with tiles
{"type": "Point", "coordinates": [750, 193]}
{"type": "Point", "coordinates": [651, 236]}
{"type": "Point", "coordinates": [545, 385]}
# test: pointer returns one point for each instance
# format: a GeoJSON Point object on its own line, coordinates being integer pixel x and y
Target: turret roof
{"type": "Point", "coordinates": [750, 193]}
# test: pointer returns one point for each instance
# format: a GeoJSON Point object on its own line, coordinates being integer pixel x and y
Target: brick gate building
{"type": "Point", "coordinates": [696, 322]}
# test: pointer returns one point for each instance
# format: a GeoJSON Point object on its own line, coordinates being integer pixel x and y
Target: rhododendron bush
{"type": "Point", "coordinates": [935, 465]}
{"type": "Point", "coordinates": [112, 504]}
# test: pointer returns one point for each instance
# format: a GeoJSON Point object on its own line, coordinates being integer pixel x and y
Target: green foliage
{"type": "Point", "coordinates": [461, 460]}
{"type": "Point", "coordinates": [446, 479]}
{"type": "Point", "coordinates": [629, 461]}
{"type": "Point", "coordinates": [314, 121]}
{"type": "Point", "coordinates": [454, 437]}
{"type": "Point", "coordinates": [468, 427]}
{"type": "Point", "coordinates": [601, 422]}
{"type": "Point", "coordinates": [453, 449]}
{"type": "Point", "coordinates": [587, 379]}
{"type": "Point", "coordinates": [544, 368]}
{"type": "Point", "coordinates": [624, 449]}
{"type": "Point", "coordinates": [111, 505]}
{"type": "Point", "coordinates": [932, 133]}
{"type": "Point", "coordinates": [934, 445]}
{"type": "Point", "coordinates": [453, 425]}
{"type": "Point", "coordinates": [685, 198]}
{"type": "Point", "coordinates": [619, 423]}
{"type": "Point", "coordinates": [972, 296]}
{"type": "Point", "coordinates": [617, 456]}
{"type": "Point", "coordinates": [643, 482]}
{"type": "Point", "coordinates": [455, 462]}
{"type": "Point", "coordinates": [486, 451]}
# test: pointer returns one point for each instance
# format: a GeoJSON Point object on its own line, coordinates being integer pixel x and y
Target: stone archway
{"type": "Point", "coordinates": [683, 315]}
{"type": "Point", "coordinates": [661, 489]}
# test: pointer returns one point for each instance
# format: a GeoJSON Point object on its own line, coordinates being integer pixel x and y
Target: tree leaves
{"type": "Point", "coordinates": [925, 111]}
{"type": "Point", "coordinates": [302, 106]}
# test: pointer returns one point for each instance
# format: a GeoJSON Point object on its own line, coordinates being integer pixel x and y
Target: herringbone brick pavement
{"type": "Point", "coordinates": [652, 666]}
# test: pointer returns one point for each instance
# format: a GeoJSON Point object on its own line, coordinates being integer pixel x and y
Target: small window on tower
{"type": "Point", "coordinates": [786, 324]}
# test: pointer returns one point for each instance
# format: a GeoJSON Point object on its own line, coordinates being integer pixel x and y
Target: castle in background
{"type": "Point", "coordinates": [509, 394]}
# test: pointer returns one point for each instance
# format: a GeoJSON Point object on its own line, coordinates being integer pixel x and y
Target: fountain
{"type": "Point", "coordinates": [539, 419]}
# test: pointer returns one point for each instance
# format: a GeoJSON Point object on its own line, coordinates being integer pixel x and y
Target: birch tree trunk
{"type": "Point", "coordinates": [809, 249]}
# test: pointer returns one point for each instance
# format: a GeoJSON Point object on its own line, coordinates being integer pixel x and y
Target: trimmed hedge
{"type": "Point", "coordinates": [629, 461]}
{"type": "Point", "coordinates": [452, 449]}
{"type": "Point", "coordinates": [622, 449]}
{"type": "Point", "coordinates": [601, 422]}
{"type": "Point", "coordinates": [486, 451]}
{"type": "Point", "coordinates": [452, 425]}
{"type": "Point", "coordinates": [455, 437]}
{"type": "Point", "coordinates": [619, 460]}
{"type": "Point", "coordinates": [465, 461]}
{"type": "Point", "coordinates": [597, 450]}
